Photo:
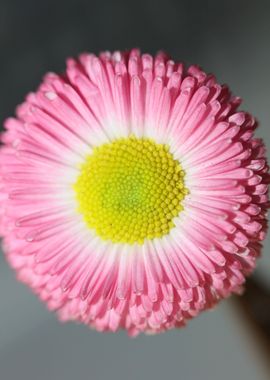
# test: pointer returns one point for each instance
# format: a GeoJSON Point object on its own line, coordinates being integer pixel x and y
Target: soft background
{"type": "Point", "coordinates": [229, 38]}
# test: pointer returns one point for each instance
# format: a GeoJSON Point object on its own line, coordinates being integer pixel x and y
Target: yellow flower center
{"type": "Point", "coordinates": [130, 190]}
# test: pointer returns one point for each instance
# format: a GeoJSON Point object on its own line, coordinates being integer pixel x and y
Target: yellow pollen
{"type": "Point", "coordinates": [130, 190]}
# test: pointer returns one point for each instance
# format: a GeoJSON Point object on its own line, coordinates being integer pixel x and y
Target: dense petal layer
{"type": "Point", "coordinates": [163, 282]}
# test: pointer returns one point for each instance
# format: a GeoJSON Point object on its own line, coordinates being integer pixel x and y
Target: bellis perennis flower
{"type": "Point", "coordinates": [133, 193]}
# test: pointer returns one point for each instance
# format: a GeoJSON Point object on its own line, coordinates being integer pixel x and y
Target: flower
{"type": "Point", "coordinates": [133, 193]}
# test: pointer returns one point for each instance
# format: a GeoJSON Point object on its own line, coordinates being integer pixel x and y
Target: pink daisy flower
{"type": "Point", "coordinates": [133, 193]}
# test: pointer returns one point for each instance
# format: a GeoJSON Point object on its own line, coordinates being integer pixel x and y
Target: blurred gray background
{"type": "Point", "coordinates": [229, 38]}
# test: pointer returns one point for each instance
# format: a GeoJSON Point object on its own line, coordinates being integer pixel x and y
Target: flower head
{"type": "Point", "coordinates": [133, 193]}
